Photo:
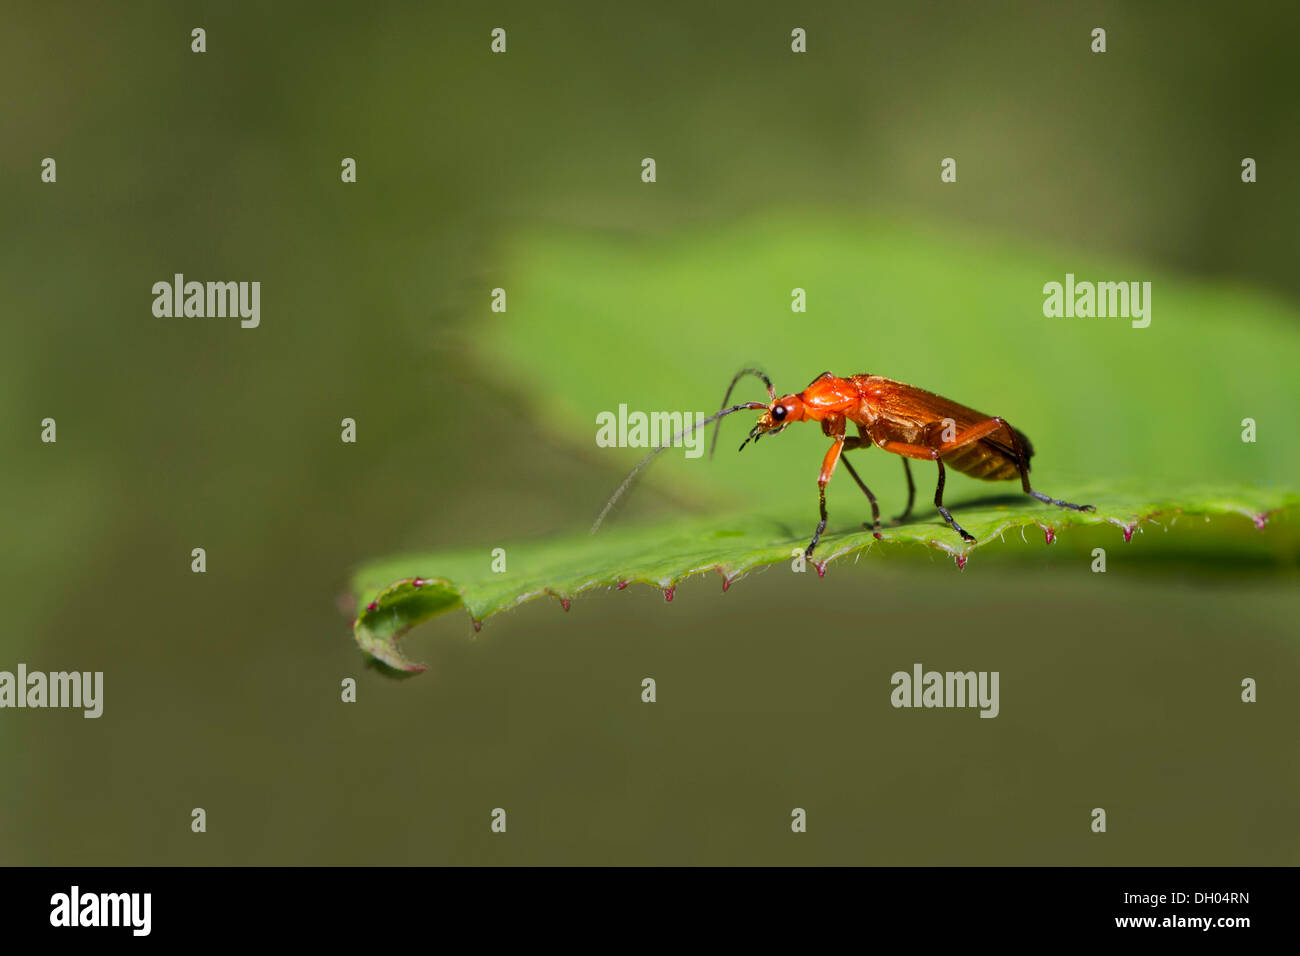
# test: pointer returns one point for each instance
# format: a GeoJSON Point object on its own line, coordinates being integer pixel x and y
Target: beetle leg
{"type": "Point", "coordinates": [911, 492]}
{"type": "Point", "coordinates": [828, 469]}
{"type": "Point", "coordinates": [938, 503]}
{"type": "Point", "coordinates": [986, 428]}
{"type": "Point", "coordinates": [923, 452]}
{"type": "Point", "coordinates": [875, 508]}
{"type": "Point", "coordinates": [920, 452]}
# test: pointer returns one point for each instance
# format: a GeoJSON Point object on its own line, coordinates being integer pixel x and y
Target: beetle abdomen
{"type": "Point", "coordinates": [989, 459]}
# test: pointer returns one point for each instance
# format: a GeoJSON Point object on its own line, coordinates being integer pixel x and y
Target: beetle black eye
{"type": "Point", "coordinates": [779, 413]}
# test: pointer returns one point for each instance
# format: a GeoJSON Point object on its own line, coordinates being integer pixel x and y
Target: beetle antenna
{"type": "Point", "coordinates": [627, 482]}
{"type": "Point", "coordinates": [758, 373]}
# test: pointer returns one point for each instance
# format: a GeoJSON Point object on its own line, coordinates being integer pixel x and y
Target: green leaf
{"type": "Point", "coordinates": [1123, 418]}
{"type": "Point", "coordinates": [398, 593]}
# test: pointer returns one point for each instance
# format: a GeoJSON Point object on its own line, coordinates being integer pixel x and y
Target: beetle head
{"type": "Point", "coordinates": [775, 417]}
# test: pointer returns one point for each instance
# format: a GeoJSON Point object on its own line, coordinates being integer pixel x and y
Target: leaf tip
{"type": "Point", "coordinates": [394, 611]}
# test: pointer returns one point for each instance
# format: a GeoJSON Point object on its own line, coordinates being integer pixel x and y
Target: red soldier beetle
{"type": "Point", "coordinates": [893, 416]}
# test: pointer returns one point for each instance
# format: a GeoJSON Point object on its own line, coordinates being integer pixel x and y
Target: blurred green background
{"type": "Point", "coordinates": [478, 171]}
